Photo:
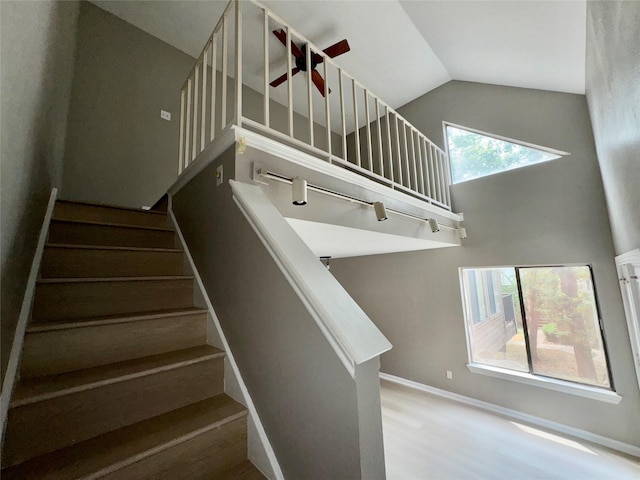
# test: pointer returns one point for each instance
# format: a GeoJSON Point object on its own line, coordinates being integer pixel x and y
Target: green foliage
{"type": "Point", "coordinates": [550, 328]}
{"type": "Point", "coordinates": [545, 299]}
{"type": "Point", "coordinates": [473, 155]}
{"type": "Point", "coordinates": [553, 334]}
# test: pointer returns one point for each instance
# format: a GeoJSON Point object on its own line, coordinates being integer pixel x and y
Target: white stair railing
{"type": "Point", "coordinates": [346, 125]}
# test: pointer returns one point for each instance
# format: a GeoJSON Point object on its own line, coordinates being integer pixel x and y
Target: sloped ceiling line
{"type": "Point", "coordinates": [402, 49]}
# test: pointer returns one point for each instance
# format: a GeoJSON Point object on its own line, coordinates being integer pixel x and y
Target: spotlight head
{"type": "Point", "coordinates": [299, 191]}
{"type": "Point", "coordinates": [325, 262]}
{"type": "Point", "coordinates": [433, 223]}
{"type": "Point", "coordinates": [381, 212]}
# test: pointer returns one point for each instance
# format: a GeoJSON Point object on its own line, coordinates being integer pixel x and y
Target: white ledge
{"type": "Point", "coordinates": [349, 331]}
{"type": "Point", "coordinates": [586, 391]}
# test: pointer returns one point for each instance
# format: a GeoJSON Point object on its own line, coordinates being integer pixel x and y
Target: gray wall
{"type": "Point", "coordinates": [613, 95]}
{"type": "Point", "coordinates": [119, 150]}
{"type": "Point", "coordinates": [252, 106]}
{"type": "Point", "coordinates": [307, 401]}
{"type": "Point", "coordinates": [550, 213]}
{"type": "Point", "coordinates": [38, 43]}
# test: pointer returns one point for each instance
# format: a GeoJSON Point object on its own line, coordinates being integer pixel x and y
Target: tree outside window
{"type": "Point", "coordinates": [556, 331]}
{"type": "Point", "coordinates": [473, 155]}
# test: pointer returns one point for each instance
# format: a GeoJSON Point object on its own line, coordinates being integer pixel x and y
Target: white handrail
{"type": "Point", "coordinates": [348, 330]}
{"type": "Point", "coordinates": [402, 157]}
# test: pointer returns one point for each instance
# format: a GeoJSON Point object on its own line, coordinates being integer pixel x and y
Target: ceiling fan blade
{"type": "Point", "coordinates": [337, 48]}
{"type": "Point", "coordinates": [318, 81]}
{"type": "Point", "coordinates": [282, 36]}
{"type": "Point", "coordinates": [283, 78]}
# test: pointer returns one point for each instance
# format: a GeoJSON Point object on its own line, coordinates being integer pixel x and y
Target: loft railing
{"type": "Point", "coordinates": [346, 124]}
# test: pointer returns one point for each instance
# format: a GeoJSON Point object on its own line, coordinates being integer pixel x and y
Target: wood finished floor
{"type": "Point", "coordinates": [430, 437]}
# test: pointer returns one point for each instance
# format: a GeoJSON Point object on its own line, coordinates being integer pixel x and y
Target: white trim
{"type": "Point", "coordinates": [572, 388]}
{"type": "Point", "coordinates": [445, 137]}
{"type": "Point", "coordinates": [465, 314]}
{"type": "Point", "coordinates": [594, 393]}
{"type": "Point", "coordinates": [244, 137]}
{"type": "Point", "coordinates": [500, 137]}
{"type": "Point", "coordinates": [268, 449]}
{"type": "Point", "coordinates": [216, 148]}
{"type": "Point", "coordinates": [11, 373]}
{"type": "Point", "coordinates": [516, 415]}
{"type": "Point", "coordinates": [630, 257]}
{"type": "Point", "coordinates": [298, 157]}
{"type": "Point", "coordinates": [628, 266]}
{"type": "Point", "coordinates": [335, 345]}
{"type": "Point", "coordinates": [349, 331]}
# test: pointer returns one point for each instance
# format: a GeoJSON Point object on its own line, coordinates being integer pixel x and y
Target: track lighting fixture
{"type": "Point", "coordinates": [299, 191]}
{"type": "Point", "coordinates": [381, 212]}
{"type": "Point", "coordinates": [433, 223]}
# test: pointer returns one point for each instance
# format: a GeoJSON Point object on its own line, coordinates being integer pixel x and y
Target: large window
{"type": "Point", "coordinates": [540, 320]}
{"type": "Point", "coordinates": [473, 154]}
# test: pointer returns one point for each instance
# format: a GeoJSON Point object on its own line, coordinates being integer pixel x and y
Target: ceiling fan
{"type": "Point", "coordinates": [300, 55]}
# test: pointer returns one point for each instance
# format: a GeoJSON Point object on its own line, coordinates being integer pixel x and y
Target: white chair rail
{"type": "Point", "coordinates": [346, 125]}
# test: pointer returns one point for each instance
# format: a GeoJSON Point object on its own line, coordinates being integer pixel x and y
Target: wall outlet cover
{"type": "Point", "coordinates": [165, 115]}
{"type": "Point", "coordinates": [219, 175]}
{"type": "Point", "coordinates": [449, 374]}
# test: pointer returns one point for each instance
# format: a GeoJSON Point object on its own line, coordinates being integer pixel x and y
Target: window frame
{"type": "Point", "coordinates": [489, 315]}
{"type": "Point", "coordinates": [445, 136]}
{"type": "Point", "coordinates": [628, 265]}
{"type": "Point", "coordinates": [605, 394]}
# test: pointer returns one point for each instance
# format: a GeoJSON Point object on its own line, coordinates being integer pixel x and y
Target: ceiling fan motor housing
{"type": "Point", "coordinates": [301, 62]}
{"type": "Point", "coordinates": [300, 54]}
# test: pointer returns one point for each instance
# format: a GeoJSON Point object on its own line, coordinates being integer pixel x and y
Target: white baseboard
{"type": "Point", "coordinates": [11, 373]}
{"type": "Point", "coordinates": [262, 455]}
{"type": "Point", "coordinates": [516, 415]}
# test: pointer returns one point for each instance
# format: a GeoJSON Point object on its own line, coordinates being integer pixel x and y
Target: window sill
{"type": "Point", "coordinates": [593, 393]}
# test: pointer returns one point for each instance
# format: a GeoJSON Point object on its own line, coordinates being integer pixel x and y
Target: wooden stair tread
{"type": "Point", "coordinates": [117, 380]}
{"type": "Point", "coordinates": [244, 471]}
{"type": "Point", "coordinates": [114, 279]}
{"type": "Point", "coordinates": [73, 246]}
{"type": "Point", "coordinates": [111, 319]}
{"type": "Point", "coordinates": [114, 450]}
{"type": "Point", "coordinates": [111, 224]}
{"type": "Point", "coordinates": [108, 205]}
{"type": "Point", "coordinates": [66, 346]}
{"type": "Point", "coordinates": [36, 389]}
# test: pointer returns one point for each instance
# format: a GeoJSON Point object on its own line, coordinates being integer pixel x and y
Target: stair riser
{"type": "Point", "coordinates": [119, 449]}
{"type": "Point", "coordinates": [202, 457]}
{"type": "Point", "coordinates": [60, 301]}
{"type": "Point", "coordinates": [48, 425]}
{"type": "Point", "coordinates": [96, 213]}
{"type": "Point", "coordinates": [88, 234]}
{"type": "Point", "coordinates": [58, 351]}
{"type": "Point", "coordinates": [79, 263]}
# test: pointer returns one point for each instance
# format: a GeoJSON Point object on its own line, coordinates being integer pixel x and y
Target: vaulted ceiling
{"type": "Point", "coordinates": [401, 49]}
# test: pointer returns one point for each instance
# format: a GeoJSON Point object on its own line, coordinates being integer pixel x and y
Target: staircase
{"type": "Point", "coordinates": [116, 379]}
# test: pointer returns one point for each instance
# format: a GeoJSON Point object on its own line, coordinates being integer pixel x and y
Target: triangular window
{"type": "Point", "coordinates": [473, 154]}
